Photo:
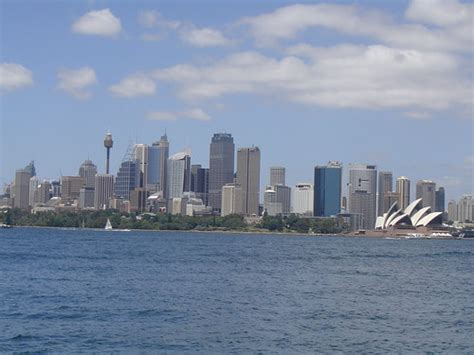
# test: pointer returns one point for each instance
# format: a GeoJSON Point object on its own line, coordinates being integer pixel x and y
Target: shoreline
{"type": "Point", "coordinates": [289, 234]}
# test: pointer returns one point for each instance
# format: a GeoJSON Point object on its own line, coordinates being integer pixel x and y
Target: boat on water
{"type": "Point", "coordinates": [108, 225]}
{"type": "Point", "coordinates": [466, 233]}
{"type": "Point", "coordinates": [3, 225]}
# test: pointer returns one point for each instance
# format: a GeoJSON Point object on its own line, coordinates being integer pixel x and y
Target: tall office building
{"type": "Point", "coordinates": [248, 177]}
{"type": "Point", "coordinates": [104, 190]}
{"type": "Point", "coordinates": [221, 167]}
{"type": "Point", "coordinates": [389, 198]}
{"type": "Point", "coordinates": [128, 178]}
{"type": "Point", "coordinates": [403, 191]}
{"type": "Point", "coordinates": [283, 196]}
{"type": "Point", "coordinates": [439, 200]}
{"type": "Point", "coordinates": [179, 174]}
{"type": "Point", "coordinates": [141, 155]}
{"type": "Point", "coordinates": [200, 182]}
{"type": "Point", "coordinates": [42, 193]}
{"type": "Point", "coordinates": [86, 197]}
{"type": "Point", "coordinates": [270, 204]}
{"type": "Point", "coordinates": [303, 199]}
{"type": "Point", "coordinates": [363, 193]}
{"type": "Point", "coordinates": [426, 190]}
{"type": "Point", "coordinates": [385, 186]}
{"type": "Point", "coordinates": [277, 175]}
{"type": "Point", "coordinates": [158, 155]}
{"type": "Point", "coordinates": [71, 186]}
{"type": "Point", "coordinates": [34, 182]}
{"type": "Point", "coordinates": [452, 211]}
{"type": "Point", "coordinates": [327, 189]}
{"type": "Point", "coordinates": [231, 199]}
{"type": "Point", "coordinates": [31, 168]}
{"type": "Point", "coordinates": [465, 209]}
{"type": "Point", "coordinates": [22, 189]}
{"type": "Point", "coordinates": [87, 170]}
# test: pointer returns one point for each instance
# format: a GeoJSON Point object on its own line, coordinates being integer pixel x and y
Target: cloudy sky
{"type": "Point", "coordinates": [387, 83]}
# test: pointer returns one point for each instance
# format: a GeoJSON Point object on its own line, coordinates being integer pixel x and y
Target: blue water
{"type": "Point", "coordinates": [84, 291]}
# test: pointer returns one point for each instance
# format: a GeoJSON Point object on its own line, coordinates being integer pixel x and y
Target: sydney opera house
{"type": "Point", "coordinates": [414, 217]}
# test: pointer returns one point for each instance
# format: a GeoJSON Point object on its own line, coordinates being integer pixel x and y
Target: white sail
{"type": "Point", "coordinates": [108, 226]}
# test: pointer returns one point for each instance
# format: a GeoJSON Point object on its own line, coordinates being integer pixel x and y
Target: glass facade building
{"type": "Point", "coordinates": [327, 190]}
{"type": "Point", "coordinates": [128, 178]}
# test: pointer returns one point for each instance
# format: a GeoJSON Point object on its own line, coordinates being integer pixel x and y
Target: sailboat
{"type": "Point", "coordinates": [108, 226]}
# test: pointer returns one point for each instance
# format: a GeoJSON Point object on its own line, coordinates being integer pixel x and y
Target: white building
{"type": "Point", "coordinates": [231, 199]}
{"type": "Point", "coordinates": [303, 199]}
{"type": "Point", "coordinates": [270, 202]}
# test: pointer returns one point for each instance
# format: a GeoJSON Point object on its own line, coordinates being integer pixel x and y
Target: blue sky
{"type": "Point", "coordinates": [385, 83]}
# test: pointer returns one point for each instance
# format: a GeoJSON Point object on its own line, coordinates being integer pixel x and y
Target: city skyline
{"type": "Point", "coordinates": [78, 95]}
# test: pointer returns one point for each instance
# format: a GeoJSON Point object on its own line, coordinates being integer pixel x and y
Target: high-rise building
{"type": "Point", "coordinates": [403, 190]}
{"type": "Point", "coordinates": [426, 190]}
{"type": "Point", "coordinates": [108, 143]}
{"type": "Point", "coordinates": [439, 200]}
{"type": "Point", "coordinates": [104, 190]}
{"type": "Point", "coordinates": [452, 211]}
{"type": "Point", "coordinates": [31, 168]}
{"type": "Point", "coordinates": [270, 204]}
{"type": "Point", "coordinates": [385, 186]}
{"type": "Point", "coordinates": [158, 155]}
{"type": "Point", "coordinates": [283, 196]}
{"type": "Point", "coordinates": [200, 182]}
{"type": "Point", "coordinates": [465, 209]}
{"type": "Point", "coordinates": [22, 189]}
{"type": "Point", "coordinates": [141, 155]}
{"type": "Point", "coordinates": [248, 177]}
{"type": "Point", "coordinates": [55, 188]}
{"type": "Point", "coordinates": [179, 174]}
{"type": "Point", "coordinates": [327, 189]}
{"type": "Point", "coordinates": [86, 197]}
{"type": "Point", "coordinates": [363, 193]}
{"type": "Point", "coordinates": [42, 193]}
{"type": "Point", "coordinates": [34, 182]}
{"type": "Point", "coordinates": [221, 166]}
{"type": "Point", "coordinates": [277, 175]}
{"type": "Point", "coordinates": [71, 186]}
{"type": "Point", "coordinates": [389, 198]}
{"type": "Point", "coordinates": [128, 178]}
{"type": "Point", "coordinates": [303, 199]}
{"type": "Point", "coordinates": [87, 170]}
{"type": "Point", "coordinates": [231, 199]}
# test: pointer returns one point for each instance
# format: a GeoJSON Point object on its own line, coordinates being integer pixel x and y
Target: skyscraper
{"type": "Point", "coordinates": [439, 197]}
{"type": "Point", "coordinates": [248, 177]}
{"type": "Point", "coordinates": [22, 189]}
{"type": "Point", "coordinates": [34, 182]}
{"type": "Point", "coordinates": [277, 175]}
{"type": "Point", "coordinates": [270, 204]}
{"type": "Point", "coordinates": [200, 182]}
{"type": "Point", "coordinates": [231, 199]}
{"type": "Point", "coordinates": [31, 168]}
{"type": "Point", "coordinates": [283, 196]}
{"type": "Point", "coordinates": [221, 166]}
{"type": "Point", "coordinates": [363, 193]}
{"type": "Point", "coordinates": [385, 186]}
{"type": "Point", "coordinates": [87, 170]}
{"type": "Point", "coordinates": [104, 190]}
{"type": "Point", "coordinates": [179, 174]}
{"type": "Point", "coordinates": [327, 189]}
{"type": "Point", "coordinates": [403, 190]}
{"type": "Point", "coordinates": [158, 154]}
{"type": "Point", "coordinates": [141, 155]}
{"type": "Point", "coordinates": [303, 199]}
{"type": "Point", "coordinates": [426, 190]}
{"type": "Point", "coordinates": [71, 186]}
{"type": "Point", "coordinates": [128, 178]}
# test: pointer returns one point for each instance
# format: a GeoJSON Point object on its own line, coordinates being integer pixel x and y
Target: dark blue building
{"type": "Point", "coordinates": [128, 178]}
{"type": "Point", "coordinates": [327, 189]}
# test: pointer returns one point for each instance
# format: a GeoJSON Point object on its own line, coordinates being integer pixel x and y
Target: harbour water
{"type": "Point", "coordinates": [96, 291]}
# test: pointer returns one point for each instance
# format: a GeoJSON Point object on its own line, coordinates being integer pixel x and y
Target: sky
{"type": "Point", "coordinates": [388, 83]}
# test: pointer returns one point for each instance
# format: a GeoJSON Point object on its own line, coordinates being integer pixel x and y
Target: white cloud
{"type": "Point", "coordinates": [287, 22]}
{"type": "Point", "coordinates": [99, 23]}
{"type": "Point", "coordinates": [134, 85]}
{"type": "Point", "coordinates": [14, 76]}
{"type": "Point", "coordinates": [76, 81]}
{"type": "Point", "coordinates": [341, 76]}
{"type": "Point", "coordinates": [152, 18]}
{"type": "Point", "coordinates": [195, 114]}
{"type": "Point", "coordinates": [204, 37]}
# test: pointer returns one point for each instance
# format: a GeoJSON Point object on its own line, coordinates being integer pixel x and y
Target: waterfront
{"type": "Point", "coordinates": [84, 290]}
